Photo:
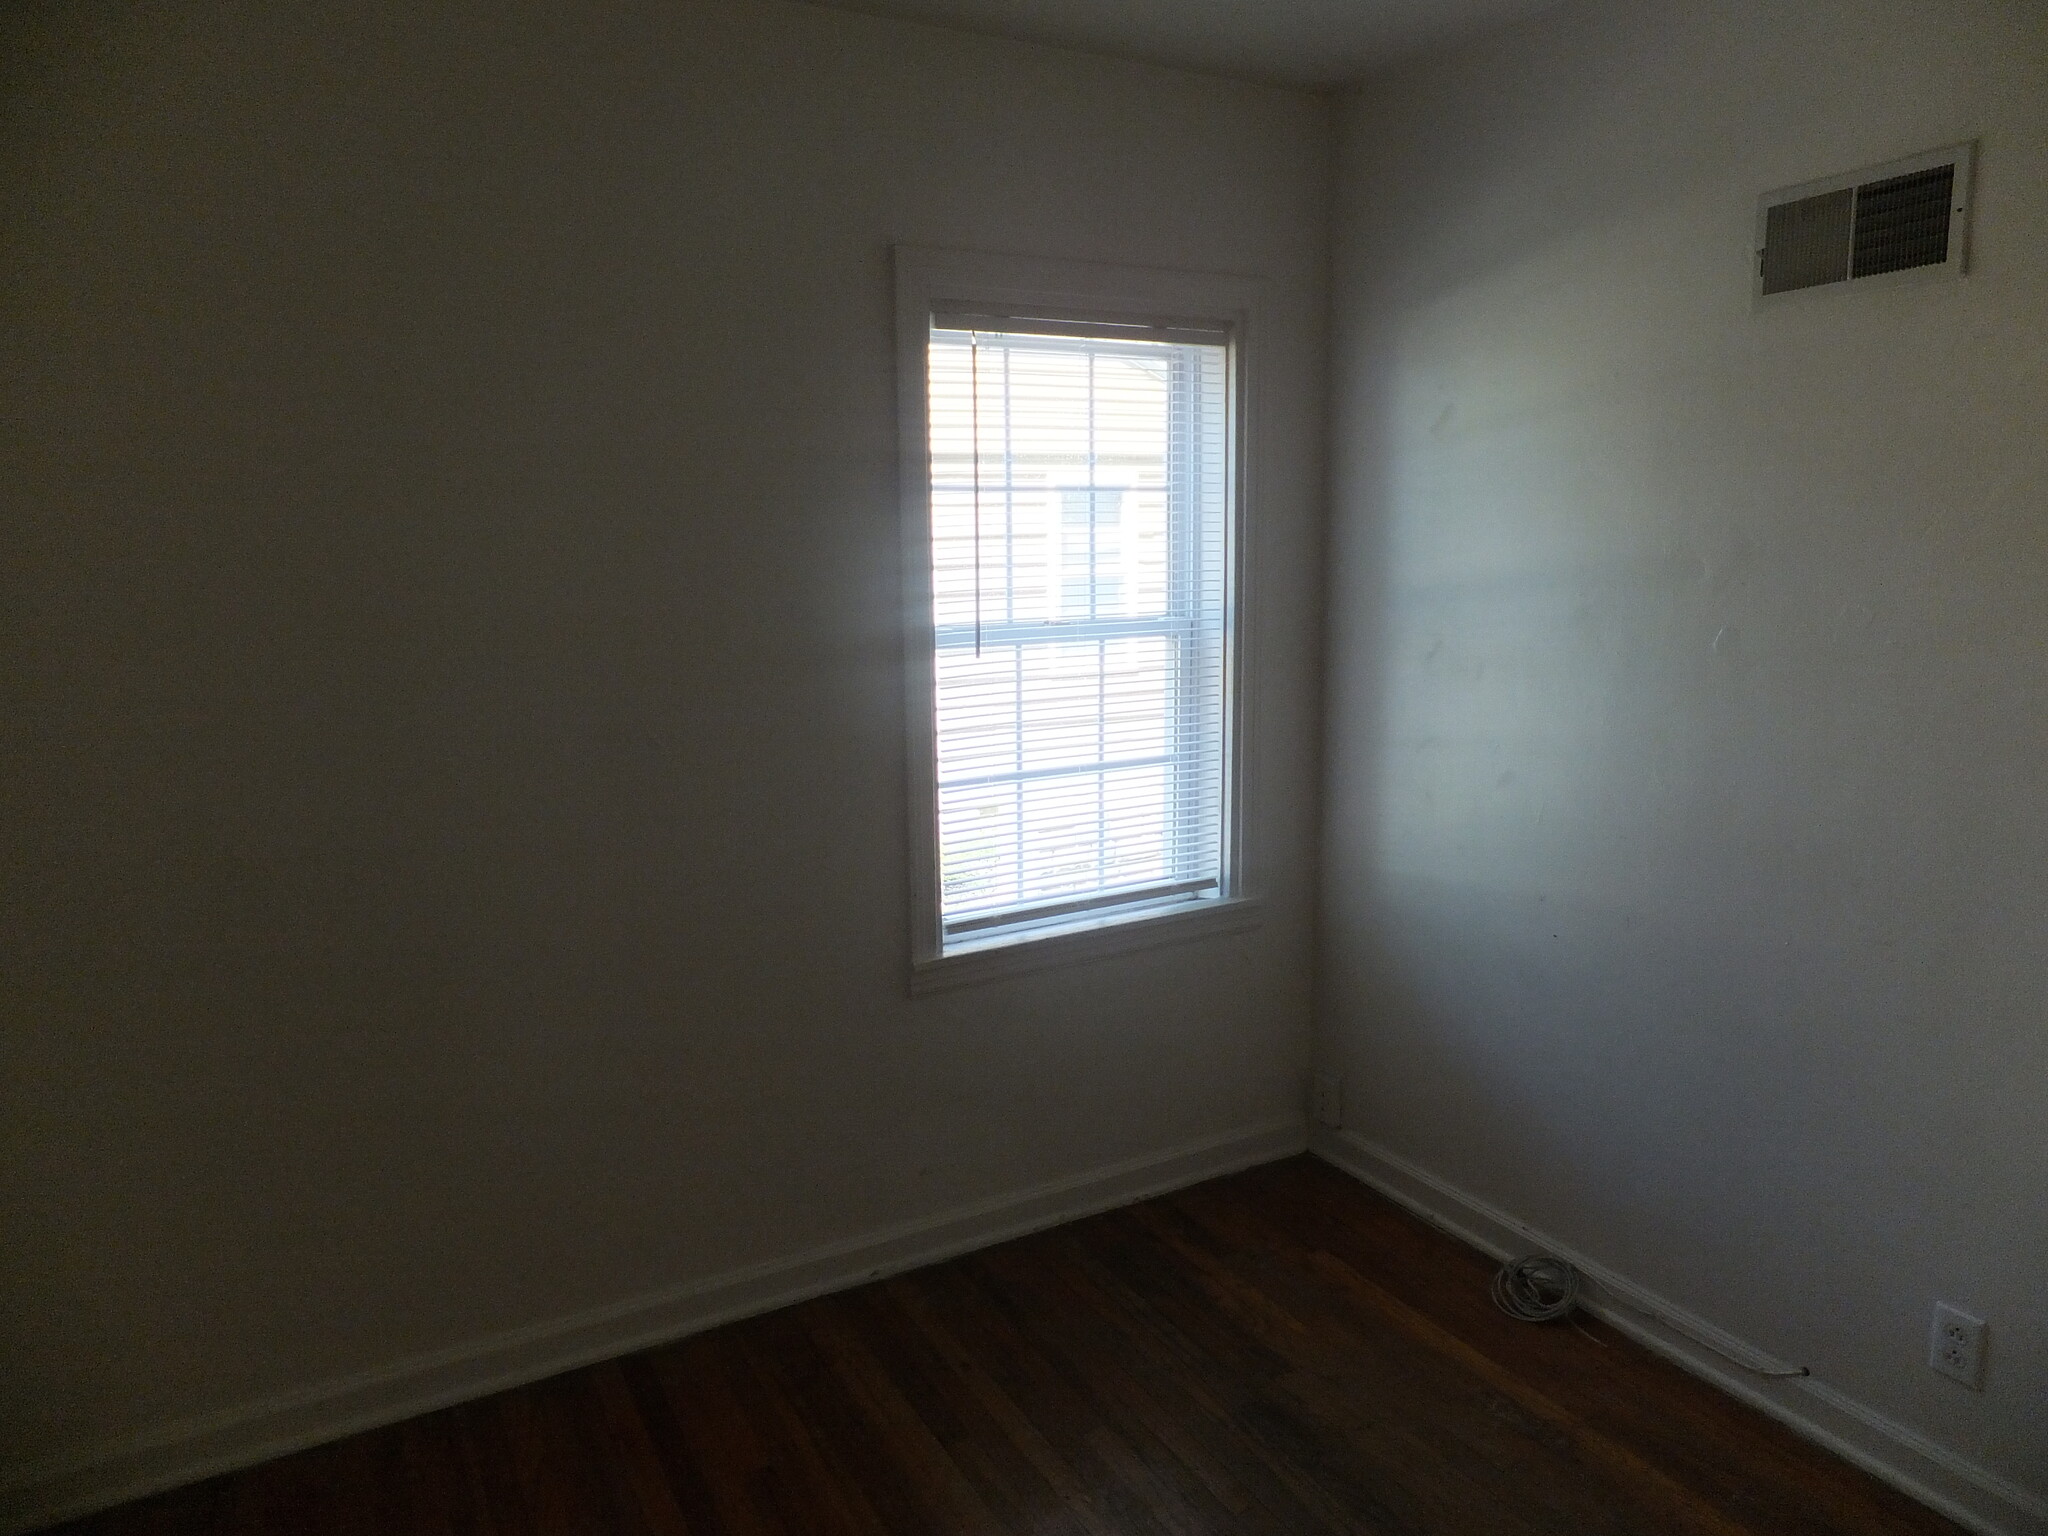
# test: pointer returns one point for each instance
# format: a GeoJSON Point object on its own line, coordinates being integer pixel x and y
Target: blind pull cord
{"type": "Point", "coordinates": [974, 417]}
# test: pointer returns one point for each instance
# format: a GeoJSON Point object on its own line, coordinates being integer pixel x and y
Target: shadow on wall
{"type": "Point", "coordinates": [1683, 782]}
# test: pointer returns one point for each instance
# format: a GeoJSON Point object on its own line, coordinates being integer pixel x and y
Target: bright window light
{"type": "Point", "coordinates": [1080, 568]}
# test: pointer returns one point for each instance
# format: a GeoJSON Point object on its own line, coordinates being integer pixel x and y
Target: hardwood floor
{"type": "Point", "coordinates": [1282, 1351]}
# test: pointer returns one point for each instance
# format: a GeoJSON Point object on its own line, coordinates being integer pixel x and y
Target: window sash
{"type": "Point", "coordinates": [1124, 896]}
{"type": "Point", "coordinates": [1184, 839]}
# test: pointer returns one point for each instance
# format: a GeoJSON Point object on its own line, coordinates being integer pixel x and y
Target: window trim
{"type": "Point", "coordinates": [947, 283]}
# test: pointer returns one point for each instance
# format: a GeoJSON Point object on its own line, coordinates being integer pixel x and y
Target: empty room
{"type": "Point", "coordinates": [964, 767]}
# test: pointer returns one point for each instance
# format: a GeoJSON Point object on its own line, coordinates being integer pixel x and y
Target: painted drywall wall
{"type": "Point", "coordinates": [455, 847]}
{"type": "Point", "coordinates": [1687, 799]}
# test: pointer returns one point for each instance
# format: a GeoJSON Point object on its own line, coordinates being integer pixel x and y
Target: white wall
{"type": "Point", "coordinates": [1687, 858]}
{"type": "Point", "coordinates": [455, 845]}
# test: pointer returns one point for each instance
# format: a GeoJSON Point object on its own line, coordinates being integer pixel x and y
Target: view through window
{"type": "Point", "coordinates": [1079, 542]}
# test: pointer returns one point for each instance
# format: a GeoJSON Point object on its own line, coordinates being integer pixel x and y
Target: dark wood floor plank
{"type": "Point", "coordinates": [680, 1462]}
{"type": "Point", "coordinates": [857, 1457]}
{"type": "Point", "coordinates": [950, 1500]}
{"type": "Point", "coordinates": [1750, 1467]}
{"type": "Point", "coordinates": [1381, 1427]}
{"type": "Point", "coordinates": [1053, 1406]}
{"type": "Point", "coordinates": [441, 1481]}
{"type": "Point", "coordinates": [1136, 1380]}
{"type": "Point", "coordinates": [1279, 1353]}
{"type": "Point", "coordinates": [476, 1429]}
{"type": "Point", "coordinates": [1370, 1471]}
{"type": "Point", "coordinates": [559, 1484]}
{"type": "Point", "coordinates": [1519, 1439]}
{"type": "Point", "coordinates": [615, 1437]}
{"type": "Point", "coordinates": [715, 1450]}
{"type": "Point", "coordinates": [1010, 1343]}
{"type": "Point", "coordinates": [1215, 1388]}
{"type": "Point", "coordinates": [807, 1493]}
{"type": "Point", "coordinates": [1145, 1481]}
{"type": "Point", "coordinates": [1075, 1508]}
{"type": "Point", "coordinates": [1017, 1475]}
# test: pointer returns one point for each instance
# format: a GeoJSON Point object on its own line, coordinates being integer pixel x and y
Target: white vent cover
{"type": "Point", "coordinates": [1905, 219]}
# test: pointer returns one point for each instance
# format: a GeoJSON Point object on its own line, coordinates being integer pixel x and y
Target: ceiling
{"type": "Point", "coordinates": [1296, 42]}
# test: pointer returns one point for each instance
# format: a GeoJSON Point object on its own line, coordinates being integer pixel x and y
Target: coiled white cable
{"type": "Point", "coordinates": [1536, 1289]}
{"type": "Point", "coordinates": [1540, 1288]}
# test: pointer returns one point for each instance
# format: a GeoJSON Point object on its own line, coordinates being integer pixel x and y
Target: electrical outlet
{"type": "Point", "coordinates": [1957, 1347]}
{"type": "Point", "coordinates": [1329, 1100]}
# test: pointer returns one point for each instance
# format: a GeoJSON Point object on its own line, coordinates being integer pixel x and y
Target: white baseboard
{"type": "Point", "coordinates": [190, 1449]}
{"type": "Point", "coordinates": [1970, 1495]}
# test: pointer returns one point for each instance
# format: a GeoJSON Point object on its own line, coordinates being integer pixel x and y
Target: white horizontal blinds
{"type": "Point", "coordinates": [1079, 506]}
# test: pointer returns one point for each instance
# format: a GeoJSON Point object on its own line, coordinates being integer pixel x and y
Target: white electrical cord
{"type": "Point", "coordinates": [1536, 1289]}
{"type": "Point", "coordinates": [1540, 1289]}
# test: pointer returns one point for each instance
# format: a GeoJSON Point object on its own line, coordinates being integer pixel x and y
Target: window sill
{"type": "Point", "coordinates": [1018, 954]}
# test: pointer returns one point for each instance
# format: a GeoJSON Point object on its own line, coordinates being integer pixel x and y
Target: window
{"type": "Point", "coordinates": [1076, 512]}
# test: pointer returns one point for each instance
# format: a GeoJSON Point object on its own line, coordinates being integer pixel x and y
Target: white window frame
{"type": "Point", "coordinates": [940, 282]}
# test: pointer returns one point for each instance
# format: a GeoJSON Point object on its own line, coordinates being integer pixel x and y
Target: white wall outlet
{"type": "Point", "coordinates": [1329, 1100]}
{"type": "Point", "coordinates": [1957, 1347]}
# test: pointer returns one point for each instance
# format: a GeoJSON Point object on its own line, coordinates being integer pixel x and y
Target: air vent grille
{"type": "Point", "coordinates": [1807, 242]}
{"type": "Point", "coordinates": [1904, 217]}
{"type": "Point", "coordinates": [1903, 222]}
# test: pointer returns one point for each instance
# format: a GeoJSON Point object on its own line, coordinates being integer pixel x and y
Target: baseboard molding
{"type": "Point", "coordinates": [190, 1449]}
{"type": "Point", "coordinates": [1970, 1495]}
